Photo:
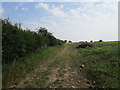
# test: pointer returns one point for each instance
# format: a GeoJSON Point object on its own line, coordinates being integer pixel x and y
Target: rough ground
{"type": "Point", "coordinates": [58, 72]}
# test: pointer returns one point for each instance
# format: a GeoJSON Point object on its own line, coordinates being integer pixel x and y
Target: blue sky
{"type": "Point", "coordinates": [74, 21]}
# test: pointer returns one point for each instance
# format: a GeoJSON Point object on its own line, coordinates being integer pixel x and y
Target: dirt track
{"type": "Point", "coordinates": [58, 72]}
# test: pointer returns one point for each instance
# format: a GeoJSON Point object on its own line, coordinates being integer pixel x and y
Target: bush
{"type": "Point", "coordinates": [18, 42]}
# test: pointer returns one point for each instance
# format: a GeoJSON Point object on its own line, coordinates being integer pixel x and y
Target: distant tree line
{"type": "Point", "coordinates": [16, 42]}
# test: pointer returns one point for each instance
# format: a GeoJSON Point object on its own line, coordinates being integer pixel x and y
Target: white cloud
{"type": "Point", "coordinates": [74, 13]}
{"type": "Point", "coordinates": [53, 6]}
{"type": "Point", "coordinates": [16, 7]}
{"type": "Point", "coordinates": [30, 0]}
{"type": "Point", "coordinates": [54, 10]}
{"type": "Point", "coordinates": [91, 22]}
{"type": "Point", "coordinates": [88, 22]}
{"type": "Point", "coordinates": [19, 6]}
{"type": "Point", "coordinates": [30, 24]}
{"type": "Point", "coordinates": [1, 10]}
{"type": "Point", "coordinates": [95, 10]}
{"type": "Point", "coordinates": [61, 6]}
{"type": "Point", "coordinates": [85, 28]}
{"type": "Point", "coordinates": [25, 9]}
{"type": "Point", "coordinates": [57, 12]}
{"type": "Point", "coordinates": [109, 6]}
{"type": "Point", "coordinates": [42, 5]}
{"type": "Point", "coordinates": [61, 0]}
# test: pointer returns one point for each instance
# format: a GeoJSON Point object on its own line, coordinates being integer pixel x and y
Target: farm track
{"type": "Point", "coordinates": [57, 72]}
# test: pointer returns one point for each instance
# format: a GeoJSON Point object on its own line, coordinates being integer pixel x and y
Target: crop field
{"type": "Point", "coordinates": [101, 63]}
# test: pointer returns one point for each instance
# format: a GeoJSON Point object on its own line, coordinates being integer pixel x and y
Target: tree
{"type": "Point", "coordinates": [100, 40]}
{"type": "Point", "coordinates": [65, 41]}
{"type": "Point", "coordinates": [17, 42]}
{"type": "Point", "coordinates": [70, 41]}
{"type": "Point", "coordinates": [91, 41]}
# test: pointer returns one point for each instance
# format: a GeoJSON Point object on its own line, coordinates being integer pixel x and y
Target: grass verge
{"type": "Point", "coordinates": [17, 70]}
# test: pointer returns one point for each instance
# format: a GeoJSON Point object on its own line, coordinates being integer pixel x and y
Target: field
{"type": "Point", "coordinates": [65, 66]}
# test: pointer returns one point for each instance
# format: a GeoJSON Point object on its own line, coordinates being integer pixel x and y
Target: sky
{"type": "Point", "coordinates": [75, 21]}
